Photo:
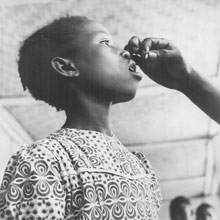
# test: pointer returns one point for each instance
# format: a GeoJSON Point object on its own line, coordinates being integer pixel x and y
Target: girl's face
{"type": "Point", "coordinates": [105, 71]}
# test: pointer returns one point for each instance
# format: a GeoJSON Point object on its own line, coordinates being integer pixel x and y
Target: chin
{"type": "Point", "coordinates": [124, 98]}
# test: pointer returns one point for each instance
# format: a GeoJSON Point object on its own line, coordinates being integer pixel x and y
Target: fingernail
{"type": "Point", "coordinates": [136, 54]}
{"type": "Point", "coordinates": [152, 55]}
{"type": "Point", "coordinates": [146, 56]}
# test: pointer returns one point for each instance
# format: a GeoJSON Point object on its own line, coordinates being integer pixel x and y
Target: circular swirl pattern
{"type": "Point", "coordinates": [140, 208]}
{"type": "Point", "coordinates": [101, 192]}
{"type": "Point", "coordinates": [58, 189]}
{"type": "Point", "coordinates": [117, 211]}
{"type": "Point", "coordinates": [96, 213]}
{"type": "Point", "coordinates": [78, 199]}
{"type": "Point", "coordinates": [25, 169]}
{"type": "Point", "coordinates": [125, 188]}
{"type": "Point", "coordinates": [28, 189]}
{"type": "Point", "coordinates": [121, 157]}
{"type": "Point", "coordinates": [13, 193]}
{"type": "Point", "coordinates": [127, 168]}
{"type": "Point", "coordinates": [79, 141]}
{"type": "Point", "coordinates": [41, 167]}
{"type": "Point", "coordinates": [105, 212]}
{"type": "Point", "coordinates": [113, 190]}
{"type": "Point", "coordinates": [94, 160]}
{"type": "Point", "coordinates": [80, 163]}
{"type": "Point", "coordinates": [130, 210]}
{"type": "Point", "coordinates": [148, 208]}
{"type": "Point", "coordinates": [68, 205]}
{"type": "Point", "coordinates": [90, 193]}
{"type": "Point", "coordinates": [74, 153]}
{"type": "Point", "coordinates": [43, 188]}
{"type": "Point", "coordinates": [6, 181]}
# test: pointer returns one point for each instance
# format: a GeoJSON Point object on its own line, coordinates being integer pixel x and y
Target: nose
{"type": "Point", "coordinates": [125, 54]}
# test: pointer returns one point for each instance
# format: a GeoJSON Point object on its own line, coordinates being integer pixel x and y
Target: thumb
{"type": "Point", "coordinates": [161, 54]}
{"type": "Point", "coordinates": [157, 54]}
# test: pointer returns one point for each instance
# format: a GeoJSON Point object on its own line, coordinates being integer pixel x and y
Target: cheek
{"type": "Point", "coordinates": [105, 57]}
{"type": "Point", "coordinates": [104, 69]}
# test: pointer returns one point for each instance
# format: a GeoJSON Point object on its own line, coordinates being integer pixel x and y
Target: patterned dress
{"type": "Point", "coordinates": [79, 175]}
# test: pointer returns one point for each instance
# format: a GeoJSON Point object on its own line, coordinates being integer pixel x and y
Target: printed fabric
{"type": "Point", "coordinates": [79, 175]}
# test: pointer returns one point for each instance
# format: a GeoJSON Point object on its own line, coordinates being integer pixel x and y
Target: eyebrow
{"type": "Point", "coordinates": [101, 32]}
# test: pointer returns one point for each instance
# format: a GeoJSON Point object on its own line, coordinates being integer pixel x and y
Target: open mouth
{"type": "Point", "coordinates": [133, 69]}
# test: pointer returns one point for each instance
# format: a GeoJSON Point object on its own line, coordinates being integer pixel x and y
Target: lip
{"type": "Point", "coordinates": [134, 72]}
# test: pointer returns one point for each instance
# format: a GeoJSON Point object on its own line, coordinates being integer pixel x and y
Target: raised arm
{"type": "Point", "coordinates": [205, 93]}
{"type": "Point", "coordinates": [163, 62]}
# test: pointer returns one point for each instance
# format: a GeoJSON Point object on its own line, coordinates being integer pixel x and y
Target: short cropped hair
{"type": "Point", "coordinates": [177, 205]}
{"type": "Point", "coordinates": [58, 38]}
{"type": "Point", "coordinates": [202, 207]}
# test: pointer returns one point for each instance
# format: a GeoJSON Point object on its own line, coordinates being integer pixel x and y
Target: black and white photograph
{"type": "Point", "coordinates": [109, 109]}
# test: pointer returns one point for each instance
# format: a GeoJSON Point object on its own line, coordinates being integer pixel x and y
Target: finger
{"type": "Point", "coordinates": [158, 54]}
{"type": "Point", "coordinates": [163, 54]}
{"type": "Point", "coordinates": [133, 45]}
{"type": "Point", "coordinates": [154, 44]}
{"type": "Point", "coordinates": [126, 47]}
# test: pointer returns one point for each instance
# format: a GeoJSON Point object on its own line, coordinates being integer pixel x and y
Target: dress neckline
{"type": "Point", "coordinates": [84, 131]}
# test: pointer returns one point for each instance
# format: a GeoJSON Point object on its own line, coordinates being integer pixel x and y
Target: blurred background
{"type": "Point", "coordinates": [181, 142]}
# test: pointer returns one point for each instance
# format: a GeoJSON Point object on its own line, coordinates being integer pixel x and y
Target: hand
{"type": "Point", "coordinates": [161, 61]}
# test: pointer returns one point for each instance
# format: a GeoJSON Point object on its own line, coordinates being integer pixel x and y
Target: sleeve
{"type": "Point", "coordinates": [32, 187]}
{"type": "Point", "coordinates": [154, 182]}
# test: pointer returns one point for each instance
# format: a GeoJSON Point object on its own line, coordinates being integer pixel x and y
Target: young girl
{"type": "Point", "coordinates": [81, 171]}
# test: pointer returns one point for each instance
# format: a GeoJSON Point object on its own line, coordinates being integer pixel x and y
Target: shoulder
{"type": "Point", "coordinates": [154, 185]}
{"type": "Point", "coordinates": [32, 174]}
{"type": "Point", "coordinates": [31, 158]}
{"type": "Point", "coordinates": [146, 164]}
{"type": "Point", "coordinates": [143, 159]}
{"type": "Point", "coordinates": [47, 149]}
{"type": "Point", "coordinates": [39, 149]}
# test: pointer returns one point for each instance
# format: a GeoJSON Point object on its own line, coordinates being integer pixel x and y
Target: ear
{"type": "Point", "coordinates": [65, 67]}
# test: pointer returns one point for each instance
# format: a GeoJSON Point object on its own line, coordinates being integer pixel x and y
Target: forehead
{"type": "Point", "coordinates": [92, 29]}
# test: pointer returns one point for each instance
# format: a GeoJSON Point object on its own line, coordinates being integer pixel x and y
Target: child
{"type": "Point", "coordinates": [180, 209]}
{"type": "Point", "coordinates": [206, 212]}
{"type": "Point", "coordinates": [81, 171]}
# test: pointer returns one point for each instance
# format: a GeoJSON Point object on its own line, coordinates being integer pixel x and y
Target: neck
{"type": "Point", "coordinates": [89, 114]}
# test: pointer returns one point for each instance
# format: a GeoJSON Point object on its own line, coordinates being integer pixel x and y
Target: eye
{"type": "Point", "coordinates": [106, 42]}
